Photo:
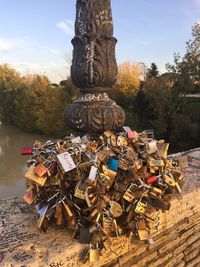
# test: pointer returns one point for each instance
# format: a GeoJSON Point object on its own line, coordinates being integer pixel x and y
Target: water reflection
{"type": "Point", "coordinates": [12, 164]}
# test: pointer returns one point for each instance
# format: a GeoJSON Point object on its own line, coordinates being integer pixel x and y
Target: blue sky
{"type": "Point", "coordinates": [35, 35]}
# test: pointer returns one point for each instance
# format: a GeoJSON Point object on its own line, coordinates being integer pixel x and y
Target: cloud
{"type": "Point", "coordinates": [66, 26]}
{"type": "Point", "coordinates": [10, 44]}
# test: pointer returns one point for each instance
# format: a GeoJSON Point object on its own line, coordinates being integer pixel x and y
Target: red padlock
{"type": "Point", "coordinates": [25, 151]}
{"type": "Point", "coordinates": [53, 168]}
{"type": "Point", "coordinates": [152, 179]}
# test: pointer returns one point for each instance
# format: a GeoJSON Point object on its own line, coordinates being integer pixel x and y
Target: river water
{"type": "Point", "coordinates": [12, 164]}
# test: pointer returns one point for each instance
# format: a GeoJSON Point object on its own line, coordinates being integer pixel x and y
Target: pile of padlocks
{"type": "Point", "coordinates": [102, 186]}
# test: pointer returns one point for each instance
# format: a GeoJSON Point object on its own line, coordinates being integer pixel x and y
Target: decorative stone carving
{"type": "Point", "coordinates": [94, 69]}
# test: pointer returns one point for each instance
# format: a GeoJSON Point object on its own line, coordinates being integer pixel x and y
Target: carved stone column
{"type": "Point", "coordinates": [94, 69]}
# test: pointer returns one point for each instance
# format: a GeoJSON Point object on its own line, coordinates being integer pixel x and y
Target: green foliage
{"type": "Point", "coordinates": [187, 68]}
{"type": "Point", "coordinates": [32, 103]}
{"type": "Point", "coordinates": [153, 71]}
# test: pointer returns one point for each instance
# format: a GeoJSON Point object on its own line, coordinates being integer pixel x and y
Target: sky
{"type": "Point", "coordinates": [35, 35]}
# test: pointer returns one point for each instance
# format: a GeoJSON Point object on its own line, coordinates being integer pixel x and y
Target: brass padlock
{"type": "Point", "coordinates": [84, 166]}
{"type": "Point", "coordinates": [79, 192]}
{"type": "Point", "coordinates": [115, 209]}
{"type": "Point", "coordinates": [154, 191]}
{"type": "Point", "coordinates": [109, 173]}
{"type": "Point", "coordinates": [94, 255]}
{"type": "Point", "coordinates": [154, 162]}
{"type": "Point", "coordinates": [169, 180]}
{"type": "Point", "coordinates": [92, 146]}
{"type": "Point", "coordinates": [142, 231]}
{"type": "Point", "coordinates": [107, 225]}
{"type": "Point", "coordinates": [58, 214]}
{"type": "Point", "coordinates": [140, 207]}
{"type": "Point", "coordinates": [31, 175]}
{"type": "Point", "coordinates": [123, 165]}
{"type": "Point", "coordinates": [129, 194]}
{"type": "Point", "coordinates": [113, 140]}
{"type": "Point", "coordinates": [67, 209]}
{"type": "Point", "coordinates": [163, 149]}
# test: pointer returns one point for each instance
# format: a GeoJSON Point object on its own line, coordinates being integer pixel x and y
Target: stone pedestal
{"type": "Point", "coordinates": [94, 69]}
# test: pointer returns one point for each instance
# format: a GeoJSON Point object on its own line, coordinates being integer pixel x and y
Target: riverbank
{"type": "Point", "coordinates": [21, 244]}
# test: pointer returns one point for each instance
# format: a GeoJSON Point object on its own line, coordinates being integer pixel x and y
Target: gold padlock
{"type": "Point", "coordinates": [113, 140]}
{"type": "Point", "coordinates": [142, 231]}
{"type": "Point", "coordinates": [169, 180]}
{"type": "Point", "coordinates": [109, 173]}
{"type": "Point", "coordinates": [115, 209]}
{"type": "Point", "coordinates": [79, 192]}
{"type": "Point", "coordinates": [129, 194]}
{"type": "Point", "coordinates": [31, 175]}
{"type": "Point", "coordinates": [163, 149]}
{"type": "Point", "coordinates": [94, 255]}
{"type": "Point", "coordinates": [140, 207]}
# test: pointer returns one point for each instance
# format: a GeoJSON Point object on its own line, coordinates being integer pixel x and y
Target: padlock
{"type": "Point", "coordinates": [66, 161]}
{"type": "Point", "coordinates": [142, 231]}
{"type": "Point", "coordinates": [152, 180]}
{"type": "Point", "coordinates": [40, 170]}
{"type": "Point", "coordinates": [111, 174]}
{"type": "Point", "coordinates": [104, 155]}
{"type": "Point", "coordinates": [130, 135]}
{"type": "Point", "coordinates": [79, 192]}
{"type": "Point", "coordinates": [92, 146]}
{"type": "Point", "coordinates": [183, 162]}
{"type": "Point", "coordinates": [113, 140]}
{"type": "Point", "coordinates": [31, 175]}
{"type": "Point", "coordinates": [129, 194]}
{"type": "Point", "coordinates": [58, 215]}
{"type": "Point", "coordinates": [168, 178]}
{"type": "Point", "coordinates": [115, 209]}
{"type": "Point", "coordinates": [177, 174]}
{"type": "Point", "coordinates": [54, 167]}
{"type": "Point", "coordinates": [162, 149]}
{"type": "Point", "coordinates": [112, 164]}
{"type": "Point", "coordinates": [29, 197]}
{"type": "Point", "coordinates": [92, 175]}
{"type": "Point", "coordinates": [104, 181]}
{"type": "Point", "coordinates": [107, 134]}
{"type": "Point", "coordinates": [151, 147]}
{"type": "Point", "coordinates": [94, 255]}
{"type": "Point", "coordinates": [76, 140]}
{"type": "Point", "coordinates": [26, 151]}
{"type": "Point", "coordinates": [107, 225]}
{"type": "Point", "coordinates": [121, 141]}
{"type": "Point", "coordinates": [127, 129]}
{"type": "Point", "coordinates": [154, 191]}
{"type": "Point", "coordinates": [42, 212]}
{"type": "Point", "coordinates": [123, 164]}
{"type": "Point", "coordinates": [154, 162]}
{"type": "Point", "coordinates": [140, 207]}
{"type": "Point", "coordinates": [67, 209]}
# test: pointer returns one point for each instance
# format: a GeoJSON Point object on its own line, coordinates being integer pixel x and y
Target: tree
{"type": "Point", "coordinates": [153, 71]}
{"type": "Point", "coordinates": [127, 85]}
{"type": "Point", "coordinates": [187, 68]}
{"type": "Point", "coordinates": [10, 81]}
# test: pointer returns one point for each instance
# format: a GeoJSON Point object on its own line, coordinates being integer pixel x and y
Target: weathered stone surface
{"type": "Point", "coordinates": [21, 244]}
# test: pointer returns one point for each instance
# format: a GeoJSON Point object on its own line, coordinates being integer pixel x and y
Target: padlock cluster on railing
{"type": "Point", "coordinates": [103, 186]}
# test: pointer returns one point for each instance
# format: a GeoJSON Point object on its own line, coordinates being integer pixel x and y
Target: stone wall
{"type": "Point", "coordinates": [176, 235]}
